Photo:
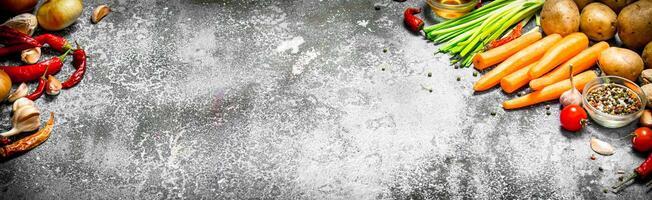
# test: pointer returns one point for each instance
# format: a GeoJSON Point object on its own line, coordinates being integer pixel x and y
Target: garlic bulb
{"type": "Point", "coordinates": [53, 86]}
{"type": "Point", "coordinates": [572, 96]}
{"type": "Point", "coordinates": [22, 102]}
{"type": "Point", "coordinates": [24, 23]}
{"type": "Point", "coordinates": [26, 118]}
{"type": "Point", "coordinates": [20, 92]}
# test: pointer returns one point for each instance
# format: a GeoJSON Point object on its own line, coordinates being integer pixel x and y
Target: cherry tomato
{"type": "Point", "coordinates": [573, 118]}
{"type": "Point", "coordinates": [642, 140]}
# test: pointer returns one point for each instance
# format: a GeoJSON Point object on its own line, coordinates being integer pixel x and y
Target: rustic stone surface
{"type": "Point", "coordinates": [205, 99]}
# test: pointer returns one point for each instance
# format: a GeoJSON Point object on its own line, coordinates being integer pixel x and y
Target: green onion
{"type": "Point", "coordinates": [465, 36]}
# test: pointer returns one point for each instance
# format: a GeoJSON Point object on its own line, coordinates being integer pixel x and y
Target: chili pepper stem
{"type": "Point", "coordinates": [63, 57]}
{"type": "Point", "coordinates": [619, 185]}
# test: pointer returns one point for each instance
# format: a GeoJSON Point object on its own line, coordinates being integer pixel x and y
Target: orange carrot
{"type": "Point", "coordinates": [563, 50]}
{"type": "Point", "coordinates": [496, 55]}
{"type": "Point", "coordinates": [550, 92]}
{"type": "Point", "coordinates": [516, 80]}
{"type": "Point", "coordinates": [515, 62]}
{"type": "Point", "coordinates": [581, 62]}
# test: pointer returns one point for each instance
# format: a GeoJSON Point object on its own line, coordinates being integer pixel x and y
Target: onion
{"type": "Point", "coordinates": [17, 6]}
{"type": "Point", "coordinates": [5, 85]}
{"type": "Point", "coordinates": [55, 15]}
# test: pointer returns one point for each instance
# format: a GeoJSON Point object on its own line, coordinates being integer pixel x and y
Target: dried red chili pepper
{"type": "Point", "coordinates": [56, 42]}
{"type": "Point", "coordinates": [518, 30]}
{"type": "Point", "coordinates": [11, 37]}
{"type": "Point", "coordinates": [4, 51]}
{"type": "Point", "coordinates": [642, 171]}
{"type": "Point", "coordinates": [29, 142]}
{"type": "Point", "coordinates": [79, 62]}
{"type": "Point", "coordinates": [28, 73]}
{"type": "Point", "coordinates": [413, 22]}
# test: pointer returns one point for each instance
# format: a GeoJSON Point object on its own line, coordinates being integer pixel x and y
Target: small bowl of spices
{"type": "Point", "coordinates": [612, 101]}
{"type": "Point", "coordinates": [451, 9]}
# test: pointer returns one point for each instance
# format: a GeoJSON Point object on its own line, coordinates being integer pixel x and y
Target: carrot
{"type": "Point", "coordinates": [515, 62]}
{"type": "Point", "coordinates": [516, 80]}
{"type": "Point", "coordinates": [550, 92]}
{"type": "Point", "coordinates": [563, 50]}
{"type": "Point", "coordinates": [496, 55]}
{"type": "Point", "coordinates": [582, 61]}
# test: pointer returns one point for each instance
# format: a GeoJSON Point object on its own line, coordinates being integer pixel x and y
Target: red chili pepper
{"type": "Point", "coordinates": [11, 37]}
{"type": "Point", "coordinates": [79, 62]}
{"type": "Point", "coordinates": [642, 171]}
{"type": "Point", "coordinates": [33, 72]}
{"type": "Point", "coordinates": [4, 51]}
{"type": "Point", "coordinates": [413, 22]}
{"type": "Point", "coordinates": [39, 90]}
{"type": "Point", "coordinates": [518, 30]}
{"type": "Point", "coordinates": [56, 42]}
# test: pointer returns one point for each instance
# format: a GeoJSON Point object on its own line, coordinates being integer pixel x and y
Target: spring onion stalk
{"type": "Point", "coordinates": [465, 36]}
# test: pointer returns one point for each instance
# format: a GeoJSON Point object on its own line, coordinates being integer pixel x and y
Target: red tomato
{"type": "Point", "coordinates": [573, 118]}
{"type": "Point", "coordinates": [642, 140]}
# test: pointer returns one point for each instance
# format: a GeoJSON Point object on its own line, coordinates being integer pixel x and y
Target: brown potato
{"type": "Point", "coordinates": [581, 3]}
{"type": "Point", "coordinates": [647, 55]}
{"type": "Point", "coordinates": [598, 22]}
{"type": "Point", "coordinates": [635, 24]}
{"type": "Point", "coordinates": [621, 62]}
{"type": "Point", "coordinates": [617, 5]}
{"type": "Point", "coordinates": [560, 16]}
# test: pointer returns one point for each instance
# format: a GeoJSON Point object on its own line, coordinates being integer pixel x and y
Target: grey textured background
{"type": "Point", "coordinates": [288, 100]}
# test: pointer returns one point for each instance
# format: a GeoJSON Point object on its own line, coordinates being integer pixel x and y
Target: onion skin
{"type": "Point", "coordinates": [17, 6]}
{"type": "Point", "coordinates": [55, 15]}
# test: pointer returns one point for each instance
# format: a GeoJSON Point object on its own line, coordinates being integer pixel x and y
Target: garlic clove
{"type": "Point", "coordinates": [53, 86]}
{"type": "Point", "coordinates": [601, 147]}
{"type": "Point", "coordinates": [21, 91]}
{"type": "Point", "coordinates": [31, 55]}
{"type": "Point", "coordinates": [22, 102]}
{"type": "Point", "coordinates": [99, 13]}
{"type": "Point", "coordinates": [24, 23]}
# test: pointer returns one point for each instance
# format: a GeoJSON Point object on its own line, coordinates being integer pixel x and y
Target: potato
{"type": "Point", "coordinates": [581, 3]}
{"type": "Point", "coordinates": [635, 24]}
{"type": "Point", "coordinates": [621, 62]}
{"type": "Point", "coordinates": [647, 55]}
{"type": "Point", "coordinates": [617, 5]}
{"type": "Point", "coordinates": [560, 16]}
{"type": "Point", "coordinates": [598, 22]}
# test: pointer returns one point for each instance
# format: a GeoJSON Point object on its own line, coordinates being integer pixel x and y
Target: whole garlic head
{"type": "Point", "coordinates": [571, 97]}
{"type": "Point", "coordinates": [26, 117]}
{"type": "Point", "coordinates": [24, 23]}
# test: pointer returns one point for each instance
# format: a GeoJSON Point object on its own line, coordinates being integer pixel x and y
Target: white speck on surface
{"type": "Point", "coordinates": [292, 45]}
{"type": "Point", "coordinates": [363, 23]}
